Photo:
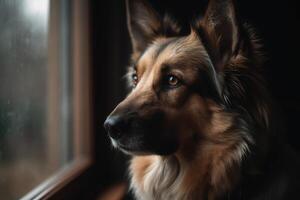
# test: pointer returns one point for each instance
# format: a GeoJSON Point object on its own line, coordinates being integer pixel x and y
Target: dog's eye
{"type": "Point", "coordinates": [172, 81]}
{"type": "Point", "coordinates": [135, 79]}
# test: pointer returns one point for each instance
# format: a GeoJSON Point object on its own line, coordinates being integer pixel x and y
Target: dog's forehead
{"type": "Point", "coordinates": [187, 49]}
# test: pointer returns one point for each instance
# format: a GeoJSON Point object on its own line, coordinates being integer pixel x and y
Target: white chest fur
{"type": "Point", "coordinates": [161, 180]}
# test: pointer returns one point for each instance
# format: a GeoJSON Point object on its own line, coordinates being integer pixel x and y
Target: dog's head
{"type": "Point", "coordinates": [177, 81]}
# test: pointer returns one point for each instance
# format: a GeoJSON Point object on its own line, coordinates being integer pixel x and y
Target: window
{"type": "Point", "coordinates": [44, 96]}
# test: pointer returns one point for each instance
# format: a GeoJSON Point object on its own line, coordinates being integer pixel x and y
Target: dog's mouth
{"type": "Point", "coordinates": [129, 148]}
{"type": "Point", "coordinates": [141, 145]}
{"type": "Point", "coordinates": [132, 151]}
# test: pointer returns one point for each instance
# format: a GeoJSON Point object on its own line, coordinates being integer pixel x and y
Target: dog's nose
{"type": "Point", "coordinates": [115, 126]}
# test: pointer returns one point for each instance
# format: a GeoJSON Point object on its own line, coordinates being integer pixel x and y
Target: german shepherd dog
{"type": "Point", "coordinates": [198, 120]}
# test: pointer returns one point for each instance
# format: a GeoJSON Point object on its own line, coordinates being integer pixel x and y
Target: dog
{"type": "Point", "coordinates": [199, 121]}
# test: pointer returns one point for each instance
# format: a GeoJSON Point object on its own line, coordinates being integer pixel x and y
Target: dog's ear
{"type": "Point", "coordinates": [219, 30]}
{"type": "Point", "coordinates": [143, 22]}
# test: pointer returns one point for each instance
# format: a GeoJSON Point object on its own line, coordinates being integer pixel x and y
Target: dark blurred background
{"type": "Point", "coordinates": [276, 22]}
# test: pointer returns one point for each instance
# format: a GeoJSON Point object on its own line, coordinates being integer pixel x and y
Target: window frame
{"type": "Point", "coordinates": [78, 171]}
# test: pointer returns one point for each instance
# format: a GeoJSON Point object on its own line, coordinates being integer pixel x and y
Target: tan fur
{"type": "Point", "coordinates": [140, 166]}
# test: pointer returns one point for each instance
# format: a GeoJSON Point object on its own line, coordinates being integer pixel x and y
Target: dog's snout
{"type": "Point", "coordinates": [115, 126]}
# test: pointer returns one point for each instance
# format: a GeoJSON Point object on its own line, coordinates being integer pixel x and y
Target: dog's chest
{"type": "Point", "coordinates": [161, 180]}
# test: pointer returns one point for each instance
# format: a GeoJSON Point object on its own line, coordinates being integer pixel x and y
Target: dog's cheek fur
{"type": "Point", "coordinates": [218, 143]}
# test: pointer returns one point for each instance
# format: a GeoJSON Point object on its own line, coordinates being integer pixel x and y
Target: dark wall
{"type": "Point", "coordinates": [275, 21]}
{"type": "Point", "coordinates": [110, 49]}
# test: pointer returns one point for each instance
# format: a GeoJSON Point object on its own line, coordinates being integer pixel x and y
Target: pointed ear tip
{"type": "Point", "coordinates": [219, 1]}
{"type": "Point", "coordinates": [193, 29]}
{"type": "Point", "coordinates": [193, 32]}
{"type": "Point", "coordinates": [132, 4]}
{"type": "Point", "coordinates": [225, 4]}
{"type": "Point", "coordinates": [138, 2]}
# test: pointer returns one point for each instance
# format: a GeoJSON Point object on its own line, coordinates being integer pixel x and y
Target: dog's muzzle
{"type": "Point", "coordinates": [141, 134]}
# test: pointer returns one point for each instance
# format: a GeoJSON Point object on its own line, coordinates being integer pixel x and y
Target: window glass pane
{"type": "Point", "coordinates": [35, 95]}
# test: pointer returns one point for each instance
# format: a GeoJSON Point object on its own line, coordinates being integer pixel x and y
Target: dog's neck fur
{"type": "Point", "coordinates": [208, 176]}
